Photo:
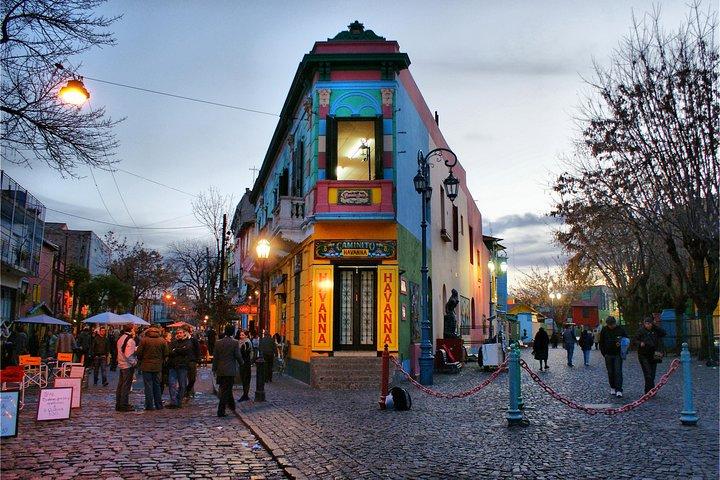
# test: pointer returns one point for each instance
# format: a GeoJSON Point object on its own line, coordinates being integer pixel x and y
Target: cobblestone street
{"type": "Point", "coordinates": [323, 434]}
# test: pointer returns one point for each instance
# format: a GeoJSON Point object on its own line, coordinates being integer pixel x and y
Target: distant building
{"type": "Point", "coordinates": [585, 313]}
{"type": "Point", "coordinates": [602, 296]}
{"type": "Point", "coordinates": [45, 293]}
{"type": "Point", "coordinates": [23, 224]}
{"type": "Point", "coordinates": [80, 247]}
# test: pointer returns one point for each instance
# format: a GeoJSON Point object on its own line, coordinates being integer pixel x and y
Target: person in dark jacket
{"type": "Point", "coordinates": [540, 347]}
{"type": "Point", "coordinates": [84, 343]}
{"type": "Point", "coordinates": [100, 352]}
{"type": "Point", "coordinates": [586, 344]}
{"type": "Point", "coordinates": [610, 336]}
{"type": "Point", "coordinates": [569, 341]}
{"type": "Point", "coordinates": [555, 339]}
{"type": "Point", "coordinates": [247, 352]}
{"type": "Point", "coordinates": [181, 355]}
{"type": "Point", "coordinates": [151, 353]}
{"type": "Point", "coordinates": [192, 367]}
{"type": "Point", "coordinates": [267, 350]}
{"type": "Point", "coordinates": [225, 361]}
{"type": "Point", "coordinates": [648, 341]}
{"type": "Point", "coordinates": [211, 338]}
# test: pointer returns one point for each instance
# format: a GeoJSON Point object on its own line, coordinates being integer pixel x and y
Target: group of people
{"type": "Point", "coordinates": [613, 343]}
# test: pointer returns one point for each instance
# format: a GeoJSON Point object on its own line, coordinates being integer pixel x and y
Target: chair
{"type": "Point", "coordinates": [36, 373]}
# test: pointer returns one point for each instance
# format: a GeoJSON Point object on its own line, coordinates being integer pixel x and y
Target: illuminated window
{"type": "Point", "coordinates": [355, 153]}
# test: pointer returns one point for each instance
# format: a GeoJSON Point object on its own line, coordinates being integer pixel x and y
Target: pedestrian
{"type": "Point", "coordinates": [225, 361]}
{"type": "Point", "coordinates": [255, 342]}
{"type": "Point", "coordinates": [610, 338]}
{"type": "Point", "coordinates": [267, 350]}
{"type": "Point", "coordinates": [648, 341]}
{"type": "Point", "coordinates": [113, 336]}
{"type": "Point", "coordinates": [151, 353]}
{"type": "Point", "coordinates": [540, 347]}
{"type": "Point", "coordinates": [247, 352]}
{"type": "Point", "coordinates": [100, 352]}
{"type": "Point", "coordinates": [597, 338]}
{"type": "Point", "coordinates": [569, 341]}
{"type": "Point", "coordinates": [127, 361]}
{"type": "Point", "coordinates": [65, 342]}
{"type": "Point", "coordinates": [19, 340]}
{"type": "Point", "coordinates": [586, 344]}
{"type": "Point", "coordinates": [34, 343]}
{"type": "Point", "coordinates": [555, 339]}
{"type": "Point", "coordinates": [192, 366]}
{"type": "Point", "coordinates": [211, 338]}
{"type": "Point", "coordinates": [181, 353]}
{"type": "Point", "coordinates": [84, 341]}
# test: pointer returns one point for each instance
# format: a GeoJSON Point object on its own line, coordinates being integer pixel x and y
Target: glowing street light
{"type": "Point", "coordinates": [74, 93]}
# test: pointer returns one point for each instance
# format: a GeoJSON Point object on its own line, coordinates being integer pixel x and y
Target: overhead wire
{"type": "Point", "coordinates": [101, 195]}
{"type": "Point", "coordinates": [155, 182]}
{"type": "Point", "coordinates": [132, 227]}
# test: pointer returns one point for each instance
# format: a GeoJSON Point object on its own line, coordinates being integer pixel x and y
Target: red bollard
{"type": "Point", "coordinates": [384, 377]}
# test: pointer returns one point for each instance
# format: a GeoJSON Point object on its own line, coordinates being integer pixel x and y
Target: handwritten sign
{"type": "Point", "coordinates": [76, 384]}
{"type": "Point", "coordinates": [9, 406]}
{"type": "Point", "coordinates": [77, 371]}
{"type": "Point", "coordinates": [54, 404]}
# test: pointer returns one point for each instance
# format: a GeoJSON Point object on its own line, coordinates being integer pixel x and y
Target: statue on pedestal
{"type": "Point", "coordinates": [450, 326]}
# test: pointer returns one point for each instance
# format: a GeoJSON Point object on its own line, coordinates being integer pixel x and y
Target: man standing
{"type": "Point", "coordinates": [152, 352]}
{"type": "Point", "coordinates": [192, 367]}
{"type": "Point", "coordinates": [610, 337]}
{"type": "Point", "coordinates": [267, 350]}
{"type": "Point", "coordinates": [569, 341]}
{"type": "Point", "coordinates": [84, 341]}
{"type": "Point", "coordinates": [181, 354]}
{"type": "Point", "coordinates": [211, 337]}
{"type": "Point", "coordinates": [586, 343]}
{"type": "Point", "coordinates": [225, 360]}
{"type": "Point", "coordinates": [65, 342]}
{"type": "Point", "coordinates": [127, 361]}
{"type": "Point", "coordinates": [100, 352]}
{"type": "Point", "coordinates": [247, 352]}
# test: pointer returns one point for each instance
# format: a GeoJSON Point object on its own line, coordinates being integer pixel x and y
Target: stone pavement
{"type": "Point", "coordinates": [98, 442]}
{"type": "Point", "coordinates": [344, 435]}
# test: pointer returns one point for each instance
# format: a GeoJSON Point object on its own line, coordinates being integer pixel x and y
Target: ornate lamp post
{"type": "Point", "coordinates": [422, 186]}
{"type": "Point", "coordinates": [263, 252]}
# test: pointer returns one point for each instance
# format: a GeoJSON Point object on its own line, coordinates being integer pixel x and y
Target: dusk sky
{"type": "Point", "coordinates": [505, 78]}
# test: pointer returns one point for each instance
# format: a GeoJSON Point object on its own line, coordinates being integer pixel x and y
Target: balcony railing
{"type": "Point", "coordinates": [288, 218]}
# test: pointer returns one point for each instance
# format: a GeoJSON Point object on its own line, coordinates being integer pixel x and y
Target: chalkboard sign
{"type": "Point", "coordinates": [76, 385]}
{"type": "Point", "coordinates": [9, 406]}
{"type": "Point", "coordinates": [54, 404]}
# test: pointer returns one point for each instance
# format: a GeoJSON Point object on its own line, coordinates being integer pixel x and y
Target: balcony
{"type": "Point", "coordinates": [338, 200]}
{"type": "Point", "coordinates": [288, 218]}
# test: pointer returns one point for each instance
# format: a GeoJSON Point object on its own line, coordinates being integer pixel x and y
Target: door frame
{"type": "Point", "coordinates": [356, 265]}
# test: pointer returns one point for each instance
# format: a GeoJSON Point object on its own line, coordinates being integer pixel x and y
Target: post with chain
{"type": "Point", "coordinates": [521, 404]}
{"type": "Point", "coordinates": [513, 415]}
{"type": "Point", "coordinates": [688, 415]}
{"type": "Point", "coordinates": [384, 377]}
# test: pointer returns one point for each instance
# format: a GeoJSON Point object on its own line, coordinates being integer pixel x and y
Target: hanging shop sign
{"type": "Point", "coordinates": [387, 312]}
{"type": "Point", "coordinates": [247, 309]}
{"type": "Point", "coordinates": [355, 196]}
{"type": "Point", "coordinates": [322, 308]}
{"type": "Point", "coordinates": [356, 249]}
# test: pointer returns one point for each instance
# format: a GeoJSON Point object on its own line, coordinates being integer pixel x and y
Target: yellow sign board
{"type": "Point", "coordinates": [387, 307]}
{"type": "Point", "coordinates": [322, 308]}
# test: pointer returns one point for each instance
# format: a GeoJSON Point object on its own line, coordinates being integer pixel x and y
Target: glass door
{"type": "Point", "coordinates": [355, 323]}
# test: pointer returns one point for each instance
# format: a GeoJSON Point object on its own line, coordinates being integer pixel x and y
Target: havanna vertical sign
{"type": "Point", "coordinates": [387, 307]}
{"type": "Point", "coordinates": [322, 339]}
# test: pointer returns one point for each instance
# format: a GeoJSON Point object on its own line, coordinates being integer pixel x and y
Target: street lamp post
{"type": "Point", "coordinates": [263, 252]}
{"type": "Point", "coordinates": [423, 187]}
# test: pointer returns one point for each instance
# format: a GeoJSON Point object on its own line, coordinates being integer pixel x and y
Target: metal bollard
{"type": "Point", "coordinates": [521, 404]}
{"type": "Point", "coordinates": [384, 377]}
{"type": "Point", "coordinates": [688, 415]}
{"type": "Point", "coordinates": [513, 415]}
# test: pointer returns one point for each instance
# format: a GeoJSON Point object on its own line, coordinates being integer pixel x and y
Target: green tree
{"type": "Point", "coordinates": [106, 292]}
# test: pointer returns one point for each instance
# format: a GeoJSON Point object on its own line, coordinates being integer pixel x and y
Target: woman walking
{"type": "Point", "coordinates": [540, 347]}
{"type": "Point", "coordinates": [648, 341]}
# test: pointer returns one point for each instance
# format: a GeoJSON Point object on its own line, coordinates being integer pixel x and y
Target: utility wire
{"type": "Point", "coordinates": [234, 107]}
{"type": "Point", "coordinates": [101, 196]}
{"type": "Point", "coordinates": [155, 182]}
{"type": "Point", "coordinates": [123, 226]}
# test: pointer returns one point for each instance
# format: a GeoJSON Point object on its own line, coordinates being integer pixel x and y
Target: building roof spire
{"type": "Point", "coordinates": [356, 31]}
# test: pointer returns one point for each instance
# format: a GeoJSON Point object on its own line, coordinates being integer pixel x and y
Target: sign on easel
{"type": "Point", "coordinates": [9, 406]}
{"type": "Point", "coordinates": [54, 404]}
{"type": "Point", "coordinates": [76, 385]}
{"type": "Point", "coordinates": [77, 371]}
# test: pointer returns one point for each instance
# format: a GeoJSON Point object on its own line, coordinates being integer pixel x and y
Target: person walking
{"type": "Point", "coordinates": [224, 366]}
{"type": "Point", "coordinates": [126, 361]}
{"type": "Point", "coordinates": [151, 353]}
{"type": "Point", "coordinates": [540, 347]}
{"type": "Point", "coordinates": [596, 334]}
{"type": "Point", "coordinates": [610, 339]}
{"type": "Point", "coordinates": [586, 344]}
{"type": "Point", "coordinates": [569, 341]}
{"type": "Point", "coordinates": [192, 366]}
{"type": "Point", "coordinates": [648, 341]}
{"type": "Point", "coordinates": [100, 352]}
{"type": "Point", "coordinates": [84, 341]}
{"type": "Point", "coordinates": [211, 339]}
{"type": "Point", "coordinates": [19, 340]}
{"type": "Point", "coordinates": [267, 350]}
{"type": "Point", "coordinates": [247, 353]}
{"type": "Point", "coordinates": [65, 342]}
{"type": "Point", "coordinates": [554, 339]}
{"type": "Point", "coordinates": [181, 354]}
{"type": "Point", "coordinates": [113, 336]}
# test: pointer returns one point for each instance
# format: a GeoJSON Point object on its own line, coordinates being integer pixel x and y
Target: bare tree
{"type": "Point", "coordinates": [39, 37]}
{"type": "Point", "coordinates": [209, 208]}
{"type": "Point", "coordinates": [650, 144]}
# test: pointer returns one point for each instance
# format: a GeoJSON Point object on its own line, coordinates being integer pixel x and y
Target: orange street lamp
{"type": "Point", "coordinates": [74, 93]}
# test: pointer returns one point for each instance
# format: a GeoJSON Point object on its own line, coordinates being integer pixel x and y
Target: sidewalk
{"type": "Point", "coordinates": [99, 443]}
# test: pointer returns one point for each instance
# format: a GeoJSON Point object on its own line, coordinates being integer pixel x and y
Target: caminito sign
{"type": "Point", "coordinates": [386, 249]}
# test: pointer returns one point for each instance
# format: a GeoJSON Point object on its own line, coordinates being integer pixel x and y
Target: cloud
{"type": "Point", "coordinates": [508, 222]}
{"type": "Point", "coordinates": [527, 237]}
{"type": "Point", "coordinates": [519, 67]}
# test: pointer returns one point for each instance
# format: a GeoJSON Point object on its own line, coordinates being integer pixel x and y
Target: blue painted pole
{"type": "Point", "coordinates": [513, 415]}
{"type": "Point", "coordinates": [688, 415]}
{"type": "Point", "coordinates": [518, 373]}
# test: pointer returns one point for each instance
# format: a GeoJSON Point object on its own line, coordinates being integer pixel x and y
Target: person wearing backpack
{"type": "Point", "coordinates": [127, 361]}
{"type": "Point", "coordinates": [648, 341]}
{"type": "Point", "coordinates": [248, 355]}
{"type": "Point", "coordinates": [586, 344]}
{"type": "Point", "coordinates": [611, 336]}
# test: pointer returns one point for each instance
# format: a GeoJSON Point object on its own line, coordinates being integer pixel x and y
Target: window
{"type": "Point", "coordinates": [470, 234]}
{"type": "Point", "coordinates": [284, 182]}
{"type": "Point", "coordinates": [298, 161]}
{"type": "Point", "coordinates": [585, 312]}
{"type": "Point", "coordinates": [354, 148]}
{"type": "Point", "coordinates": [455, 238]}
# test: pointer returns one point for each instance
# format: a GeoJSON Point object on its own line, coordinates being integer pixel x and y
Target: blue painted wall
{"type": "Point", "coordinates": [502, 291]}
{"type": "Point", "coordinates": [525, 324]}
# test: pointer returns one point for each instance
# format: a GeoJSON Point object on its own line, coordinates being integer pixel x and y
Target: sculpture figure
{"type": "Point", "coordinates": [450, 326]}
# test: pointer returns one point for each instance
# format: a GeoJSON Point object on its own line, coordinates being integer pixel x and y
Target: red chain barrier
{"type": "Point", "coordinates": [501, 368]}
{"type": "Point", "coordinates": [674, 365]}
